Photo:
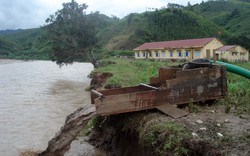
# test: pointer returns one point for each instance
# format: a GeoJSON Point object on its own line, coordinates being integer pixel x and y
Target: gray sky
{"type": "Point", "coordinates": [25, 14]}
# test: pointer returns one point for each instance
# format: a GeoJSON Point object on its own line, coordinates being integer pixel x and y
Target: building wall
{"type": "Point", "coordinates": [188, 53]}
{"type": "Point", "coordinates": [210, 47]}
{"type": "Point", "coordinates": [164, 54]}
{"type": "Point", "coordinates": [235, 54]}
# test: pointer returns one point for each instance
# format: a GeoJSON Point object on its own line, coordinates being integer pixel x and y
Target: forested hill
{"type": "Point", "coordinates": [233, 15]}
{"type": "Point", "coordinates": [164, 24]}
{"type": "Point", "coordinates": [174, 22]}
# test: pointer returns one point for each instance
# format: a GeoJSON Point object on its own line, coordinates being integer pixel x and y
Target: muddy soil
{"type": "Point", "coordinates": [216, 133]}
{"type": "Point", "coordinates": [228, 132]}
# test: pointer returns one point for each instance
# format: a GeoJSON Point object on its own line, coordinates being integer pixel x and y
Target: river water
{"type": "Point", "coordinates": [35, 98]}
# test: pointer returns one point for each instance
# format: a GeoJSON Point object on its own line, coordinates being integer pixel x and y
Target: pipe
{"type": "Point", "coordinates": [234, 69]}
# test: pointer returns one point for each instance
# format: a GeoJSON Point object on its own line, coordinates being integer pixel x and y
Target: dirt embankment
{"type": "Point", "coordinates": [207, 131]}
{"type": "Point", "coordinates": [99, 79]}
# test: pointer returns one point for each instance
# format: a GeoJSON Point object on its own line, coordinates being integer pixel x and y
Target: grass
{"type": "Point", "coordinates": [128, 72]}
{"type": "Point", "coordinates": [90, 125]}
{"type": "Point", "coordinates": [238, 92]}
{"type": "Point", "coordinates": [165, 137]}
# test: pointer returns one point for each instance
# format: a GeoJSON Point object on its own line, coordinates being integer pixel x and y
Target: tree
{"type": "Point", "coordinates": [72, 34]}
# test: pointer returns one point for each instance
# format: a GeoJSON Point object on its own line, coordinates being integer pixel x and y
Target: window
{"type": "Point", "coordinates": [179, 53]}
{"type": "Point", "coordinates": [138, 54]}
{"type": "Point", "coordinates": [187, 53]}
{"type": "Point", "coordinates": [144, 54]}
{"type": "Point", "coordinates": [242, 54]}
{"type": "Point", "coordinates": [170, 54]}
{"type": "Point", "coordinates": [163, 54]}
{"type": "Point", "coordinates": [150, 54]}
{"type": "Point", "coordinates": [234, 53]}
{"type": "Point", "coordinates": [156, 54]}
{"type": "Point", "coordinates": [197, 54]}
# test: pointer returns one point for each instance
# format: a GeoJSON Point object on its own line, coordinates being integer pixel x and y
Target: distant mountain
{"type": "Point", "coordinates": [8, 31]}
{"type": "Point", "coordinates": [29, 44]}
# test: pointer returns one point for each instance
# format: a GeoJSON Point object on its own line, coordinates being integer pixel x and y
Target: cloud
{"type": "Point", "coordinates": [25, 14]}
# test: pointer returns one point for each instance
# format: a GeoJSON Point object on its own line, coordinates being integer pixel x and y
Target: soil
{"type": "Point", "coordinates": [235, 129]}
{"type": "Point", "coordinates": [99, 79]}
{"type": "Point", "coordinates": [116, 136]}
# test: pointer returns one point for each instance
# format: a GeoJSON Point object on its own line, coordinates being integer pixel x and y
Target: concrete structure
{"type": "Point", "coordinates": [232, 53]}
{"type": "Point", "coordinates": [178, 49]}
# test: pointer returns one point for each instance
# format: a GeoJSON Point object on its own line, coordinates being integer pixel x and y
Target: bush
{"type": "Point", "coordinates": [112, 82]}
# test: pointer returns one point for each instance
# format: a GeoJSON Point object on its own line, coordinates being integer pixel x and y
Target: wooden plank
{"type": "Point", "coordinates": [116, 91]}
{"type": "Point", "coordinates": [150, 99]}
{"type": "Point", "coordinates": [196, 81]}
{"type": "Point", "coordinates": [154, 80]}
{"type": "Point", "coordinates": [172, 111]}
{"type": "Point", "coordinates": [214, 72]}
{"type": "Point", "coordinates": [197, 84]}
{"type": "Point", "coordinates": [167, 73]}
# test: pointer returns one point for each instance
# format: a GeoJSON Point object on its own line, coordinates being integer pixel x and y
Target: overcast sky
{"type": "Point", "coordinates": [15, 14]}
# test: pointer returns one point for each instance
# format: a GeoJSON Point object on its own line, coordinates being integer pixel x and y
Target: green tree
{"type": "Point", "coordinates": [72, 34]}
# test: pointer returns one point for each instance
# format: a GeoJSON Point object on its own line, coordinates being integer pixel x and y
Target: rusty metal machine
{"type": "Point", "coordinates": [174, 86]}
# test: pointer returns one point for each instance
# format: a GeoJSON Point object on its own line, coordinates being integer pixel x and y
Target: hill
{"type": "Point", "coordinates": [7, 47]}
{"type": "Point", "coordinates": [194, 21]}
{"type": "Point", "coordinates": [164, 24]}
{"type": "Point", "coordinates": [233, 15]}
{"type": "Point", "coordinates": [24, 44]}
{"type": "Point", "coordinates": [8, 31]}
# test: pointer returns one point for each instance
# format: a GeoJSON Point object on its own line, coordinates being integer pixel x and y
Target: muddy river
{"type": "Point", "coordinates": [35, 98]}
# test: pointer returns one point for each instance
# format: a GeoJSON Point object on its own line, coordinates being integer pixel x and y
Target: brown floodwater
{"type": "Point", "coordinates": [35, 98]}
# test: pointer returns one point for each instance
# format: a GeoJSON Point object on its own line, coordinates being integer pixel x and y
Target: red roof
{"type": "Point", "coordinates": [226, 48]}
{"type": "Point", "coordinates": [175, 44]}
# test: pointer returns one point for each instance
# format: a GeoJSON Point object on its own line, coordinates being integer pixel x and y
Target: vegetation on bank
{"type": "Point", "coordinates": [130, 72]}
{"type": "Point", "coordinates": [238, 92]}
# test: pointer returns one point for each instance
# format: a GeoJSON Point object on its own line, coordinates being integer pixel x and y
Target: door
{"type": "Point", "coordinates": [208, 53]}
